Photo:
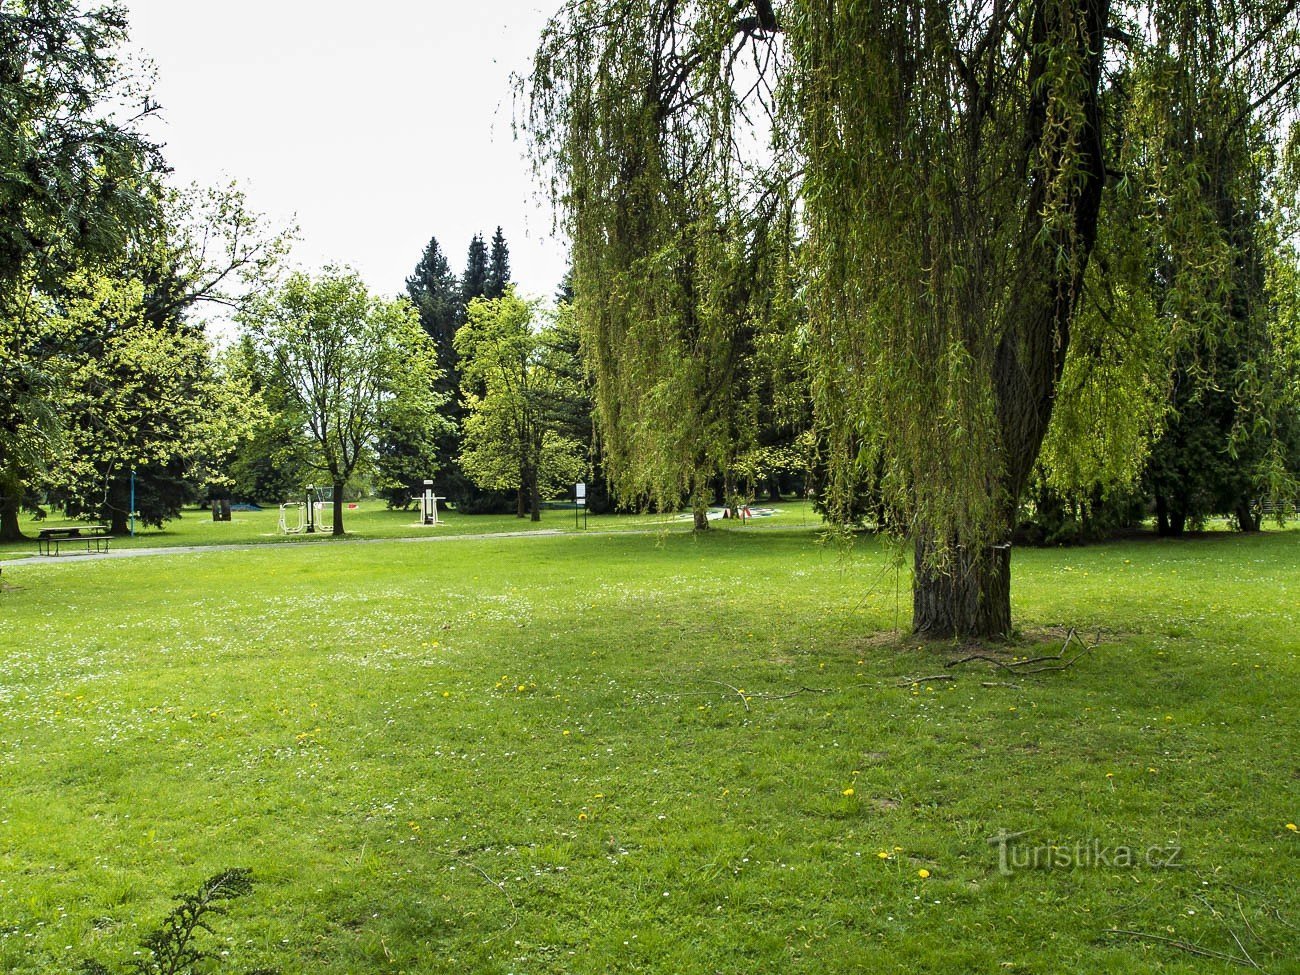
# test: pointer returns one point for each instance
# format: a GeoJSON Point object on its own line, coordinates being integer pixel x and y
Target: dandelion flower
{"type": "Point", "coordinates": [848, 791]}
{"type": "Point", "coordinates": [883, 855]}
{"type": "Point", "coordinates": [923, 873]}
{"type": "Point", "coordinates": [1292, 827]}
{"type": "Point", "coordinates": [582, 817]}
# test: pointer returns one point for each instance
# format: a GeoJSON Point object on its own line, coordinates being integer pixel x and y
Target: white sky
{"type": "Point", "coordinates": [377, 124]}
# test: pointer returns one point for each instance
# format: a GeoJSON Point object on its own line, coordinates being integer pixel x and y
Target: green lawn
{"type": "Point", "coordinates": [373, 519]}
{"type": "Point", "coordinates": [635, 753]}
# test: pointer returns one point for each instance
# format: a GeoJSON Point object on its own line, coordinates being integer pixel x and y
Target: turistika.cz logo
{"type": "Point", "coordinates": [1013, 855]}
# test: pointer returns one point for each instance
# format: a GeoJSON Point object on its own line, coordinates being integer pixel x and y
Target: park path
{"type": "Point", "coordinates": [131, 553]}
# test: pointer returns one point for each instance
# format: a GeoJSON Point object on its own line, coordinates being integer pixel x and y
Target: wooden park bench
{"type": "Point", "coordinates": [96, 538]}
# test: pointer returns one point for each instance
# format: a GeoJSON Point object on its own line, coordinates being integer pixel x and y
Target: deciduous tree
{"type": "Point", "coordinates": [74, 183]}
{"type": "Point", "coordinates": [347, 366]}
{"type": "Point", "coordinates": [517, 389]}
{"type": "Point", "coordinates": [941, 173]}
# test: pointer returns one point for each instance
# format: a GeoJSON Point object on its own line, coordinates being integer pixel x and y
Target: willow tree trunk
{"type": "Point", "coordinates": [961, 593]}
{"type": "Point", "coordinates": [701, 512]}
{"type": "Point", "coordinates": [338, 507]}
{"type": "Point", "coordinates": [965, 593]}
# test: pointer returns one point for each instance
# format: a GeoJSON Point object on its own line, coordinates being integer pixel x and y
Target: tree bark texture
{"type": "Point", "coordinates": [701, 513]}
{"type": "Point", "coordinates": [10, 531]}
{"type": "Point", "coordinates": [968, 596]}
{"type": "Point", "coordinates": [338, 507]}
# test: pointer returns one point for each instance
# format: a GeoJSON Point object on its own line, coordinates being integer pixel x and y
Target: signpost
{"type": "Point", "coordinates": [580, 502]}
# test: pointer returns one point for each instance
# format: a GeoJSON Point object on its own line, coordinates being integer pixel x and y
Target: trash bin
{"type": "Point", "coordinates": [221, 510]}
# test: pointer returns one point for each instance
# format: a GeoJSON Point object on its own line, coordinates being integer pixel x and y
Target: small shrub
{"type": "Point", "coordinates": [172, 948]}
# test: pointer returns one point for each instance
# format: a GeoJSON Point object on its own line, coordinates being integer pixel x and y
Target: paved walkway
{"type": "Point", "coordinates": [130, 553]}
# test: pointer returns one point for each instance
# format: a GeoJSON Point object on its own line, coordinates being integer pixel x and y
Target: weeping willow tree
{"type": "Point", "coordinates": [945, 171]}
{"type": "Point", "coordinates": [639, 124]}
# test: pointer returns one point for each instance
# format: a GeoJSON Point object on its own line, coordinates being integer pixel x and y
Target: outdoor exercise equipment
{"type": "Point", "coordinates": [428, 505]}
{"type": "Point", "coordinates": [293, 517]}
{"type": "Point", "coordinates": [315, 513]}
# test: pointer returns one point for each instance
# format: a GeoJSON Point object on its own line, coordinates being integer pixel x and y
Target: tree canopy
{"type": "Point", "coordinates": [519, 388]}
{"type": "Point", "coordinates": [347, 366]}
{"type": "Point", "coordinates": [916, 191]}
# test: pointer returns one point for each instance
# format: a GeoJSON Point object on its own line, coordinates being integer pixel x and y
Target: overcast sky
{"type": "Point", "coordinates": [377, 124]}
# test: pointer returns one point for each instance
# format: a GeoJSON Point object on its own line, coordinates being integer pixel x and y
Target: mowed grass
{"type": "Point", "coordinates": [634, 753]}
{"type": "Point", "coordinates": [372, 519]}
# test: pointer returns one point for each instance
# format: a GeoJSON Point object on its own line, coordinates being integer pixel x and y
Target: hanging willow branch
{"type": "Point", "coordinates": [911, 192]}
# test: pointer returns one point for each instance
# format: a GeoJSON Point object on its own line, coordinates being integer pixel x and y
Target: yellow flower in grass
{"type": "Point", "coordinates": [1292, 827]}
{"type": "Point", "coordinates": [923, 873]}
{"type": "Point", "coordinates": [848, 791]}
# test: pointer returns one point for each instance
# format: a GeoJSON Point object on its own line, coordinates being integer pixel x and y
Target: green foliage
{"type": "Point", "coordinates": [74, 166]}
{"type": "Point", "coordinates": [518, 387]}
{"type": "Point", "coordinates": [75, 184]}
{"type": "Point", "coordinates": [1176, 366]}
{"type": "Point", "coordinates": [344, 367]}
{"type": "Point", "coordinates": [138, 394]}
{"type": "Point", "coordinates": [950, 190]}
{"type": "Point", "coordinates": [1050, 517]}
{"type": "Point", "coordinates": [433, 289]}
{"type": "Point", "coordinates": [173, 947]}
{"type": "Point", "coordinates": [635, 122]}
{"type": "Point", "coordinates": [274, 462]}
{"type": "Point", "coordinates": [474, 281]}
{"type": "Point", "coordinates": [931, 184]}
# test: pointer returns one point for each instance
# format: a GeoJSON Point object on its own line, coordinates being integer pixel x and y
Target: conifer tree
{"type": "Point", "coordinates": [474, 282]}
{"type": "Point", "coordinates": [435, 292]}
{"type": "Point", "coordinates": [498, 277]}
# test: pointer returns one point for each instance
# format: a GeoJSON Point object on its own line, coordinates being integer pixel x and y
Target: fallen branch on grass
{"type": "Point", "coordinates": [471, 865]}
{"type": "Point", "coordinates": [1187, 946]}
{"type": "Point", "coordinates": [1058, 661]}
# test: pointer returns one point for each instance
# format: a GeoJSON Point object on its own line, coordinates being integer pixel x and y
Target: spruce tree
{"type": "Point", "coordinates": [474, 282]}
{"type": "Point", "coordinates": [435, 292]}
{"type": "Point", "coordinates": [498, 277]}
